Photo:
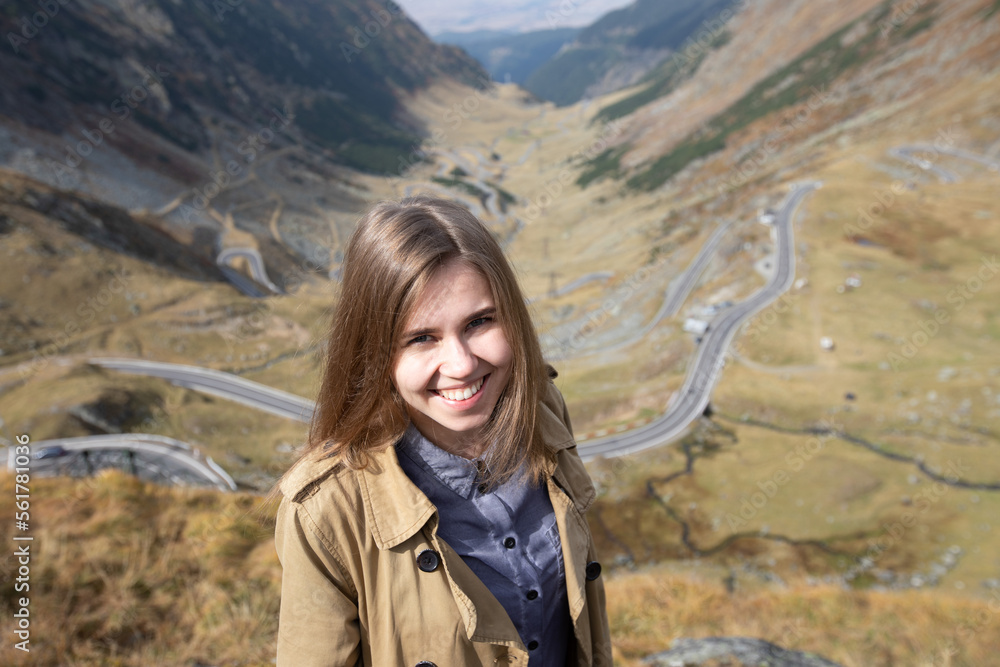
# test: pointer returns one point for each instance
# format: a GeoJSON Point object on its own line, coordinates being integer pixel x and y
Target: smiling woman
{"type": "Point", "coordinates": [454, 360]}
{"type": "Point", "coordinates": [437, 514]}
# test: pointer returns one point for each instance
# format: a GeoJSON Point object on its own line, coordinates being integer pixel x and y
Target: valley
{"type": "Point", "coordinates": [821, 194]}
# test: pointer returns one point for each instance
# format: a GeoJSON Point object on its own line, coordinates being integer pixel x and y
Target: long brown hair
{"type": "Point", "coordinates": [390, 257]}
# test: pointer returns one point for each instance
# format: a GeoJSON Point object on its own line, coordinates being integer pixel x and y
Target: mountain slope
{"type": "Point", "coordinates": [621, 47]}
{"type": "Point", "coordinates": [339, 67]}
{"type": "Point", "coordinates": [511, 57]}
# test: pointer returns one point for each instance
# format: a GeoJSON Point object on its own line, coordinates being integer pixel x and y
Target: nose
{"type": "Point", "coordinates": [457, 359]}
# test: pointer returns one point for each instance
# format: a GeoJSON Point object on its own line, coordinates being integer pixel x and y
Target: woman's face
{"type": "Point", "coordinates": [453, 360]}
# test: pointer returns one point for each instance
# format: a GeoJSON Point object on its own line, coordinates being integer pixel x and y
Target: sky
{"type": "Point", "coordinates": [437, 16]}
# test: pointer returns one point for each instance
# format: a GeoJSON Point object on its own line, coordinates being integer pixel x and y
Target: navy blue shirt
{"type": "Point", "coordinates": [508, 537]}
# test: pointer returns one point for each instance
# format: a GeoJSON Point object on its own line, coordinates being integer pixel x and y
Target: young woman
{"type": "Point", "coordinates": [437, 514]}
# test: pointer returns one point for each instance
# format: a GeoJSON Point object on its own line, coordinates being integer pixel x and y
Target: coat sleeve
{"type": "Point", "coordinates": [318, 621]}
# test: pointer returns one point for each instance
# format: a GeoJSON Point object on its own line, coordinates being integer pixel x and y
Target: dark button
{"type": "Point", "coordinates": [593, 570]}
{"type": "Point", "coordinates": [482, 488]}
{"type": "Point", "coordinates": [532, 594]}
{"type": "Point", "coordinates": [428, 561]}
{"type": "Point", "coordinates": [509, 542]}
{"type": "Point", "coordinates": [532, 645]}
{"type": "Point", "coordinates": [426, 663]}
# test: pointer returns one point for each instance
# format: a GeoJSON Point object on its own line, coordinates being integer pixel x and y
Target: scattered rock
{"type": "Point", "coordinates": [733, 652]}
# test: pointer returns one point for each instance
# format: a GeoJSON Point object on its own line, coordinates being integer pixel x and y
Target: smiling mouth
{"type": "Point", "coordinates": [464, 393]}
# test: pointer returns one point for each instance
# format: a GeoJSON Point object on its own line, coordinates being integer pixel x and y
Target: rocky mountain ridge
{"type": "Point", "coordinates": [135, 102]}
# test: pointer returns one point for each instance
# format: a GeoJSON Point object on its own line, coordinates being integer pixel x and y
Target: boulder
{"type": "Point", "coordinates": [733, 652]}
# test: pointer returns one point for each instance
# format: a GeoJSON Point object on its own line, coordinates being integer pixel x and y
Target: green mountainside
{"type": "Point", "coordinates": [631, 40]}
{"type": "Point", "coordinates": [791, 84]}
{"type": "Point", "coordinates": [341, 65]}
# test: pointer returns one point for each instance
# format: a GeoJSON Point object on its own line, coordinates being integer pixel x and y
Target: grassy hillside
{"type": "Point", "coordinates": [837, 500]}
{"type": "Point", "coordinates": [617, 40]}
{"type": "Point", "coordinates": [131, 574]}
{"type": "Point", "coordinates": [818, 68]}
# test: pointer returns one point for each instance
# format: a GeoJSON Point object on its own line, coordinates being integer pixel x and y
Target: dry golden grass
{"type": "Point", "coordinates": [131, 574]}
{"type": "Point", "coordinates": [649, 609]}
{"type": "Point", "coordinates": [128, 573]}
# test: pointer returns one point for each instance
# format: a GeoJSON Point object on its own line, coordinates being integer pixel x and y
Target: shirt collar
{"type": "Point", "coordinates": [457, 473]}
{"type": "Point", "coordinates": [397, 509]}
{"type": "Point", "coordinates": [394, 506]}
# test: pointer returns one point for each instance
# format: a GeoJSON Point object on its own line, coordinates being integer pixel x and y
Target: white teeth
{"type": "Point", "coordinates": [462, 394]}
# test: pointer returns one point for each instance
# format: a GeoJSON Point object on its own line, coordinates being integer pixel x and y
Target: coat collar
{"type": "Point", "coordinates": [396, 508]}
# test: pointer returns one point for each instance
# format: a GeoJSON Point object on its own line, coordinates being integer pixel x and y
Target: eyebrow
{"type": "Point", "coordinates": [482, 312]}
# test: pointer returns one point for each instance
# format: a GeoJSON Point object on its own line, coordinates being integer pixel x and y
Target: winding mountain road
{"type": "Point", "coordinates": [691, 400]}
{"type": "Point", "coordinates": [217, 383]}
{"type": "Point", "coordinates": [151, 457]}
{"type": "Point", "coordinates": [693, 397]}
{"type": "Point", "coordinates": [908, 154]}
{"type": "Point", "coordinates": [257, 269]}
{"type": "Point", "coordinates": [674, 297]}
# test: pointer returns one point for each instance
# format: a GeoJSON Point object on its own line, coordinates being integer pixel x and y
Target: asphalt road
{"type": "Point", "coordinates": [689, 278]}
{"type": "Point", "coordinates": [910, 154]}
{"type": "Point", "coordinates": [693, 397]}
{"type": "Point", "coordinates": [217, 383]}
{"type": "Point", "coordinates": [150, 457]}
{"type": "Point", "coordinates": [257, 268]}
{"type": "Point", "coordinates": [686, 406]}
{"type": "Point", "coordinates": [673, 299]}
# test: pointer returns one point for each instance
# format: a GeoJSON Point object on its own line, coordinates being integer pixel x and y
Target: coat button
{"type": "Point", "coordinates": [509, 542]}
{"type": "Point", "coordinates": [532, 594]}
{"type": "Point", "coordinates": [593, 570]}
{"type": "Point", "coordinates": [428, 561]}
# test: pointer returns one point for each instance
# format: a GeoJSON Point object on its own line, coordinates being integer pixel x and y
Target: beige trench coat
{"type": "Point", "coordinates": [366, 580]}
